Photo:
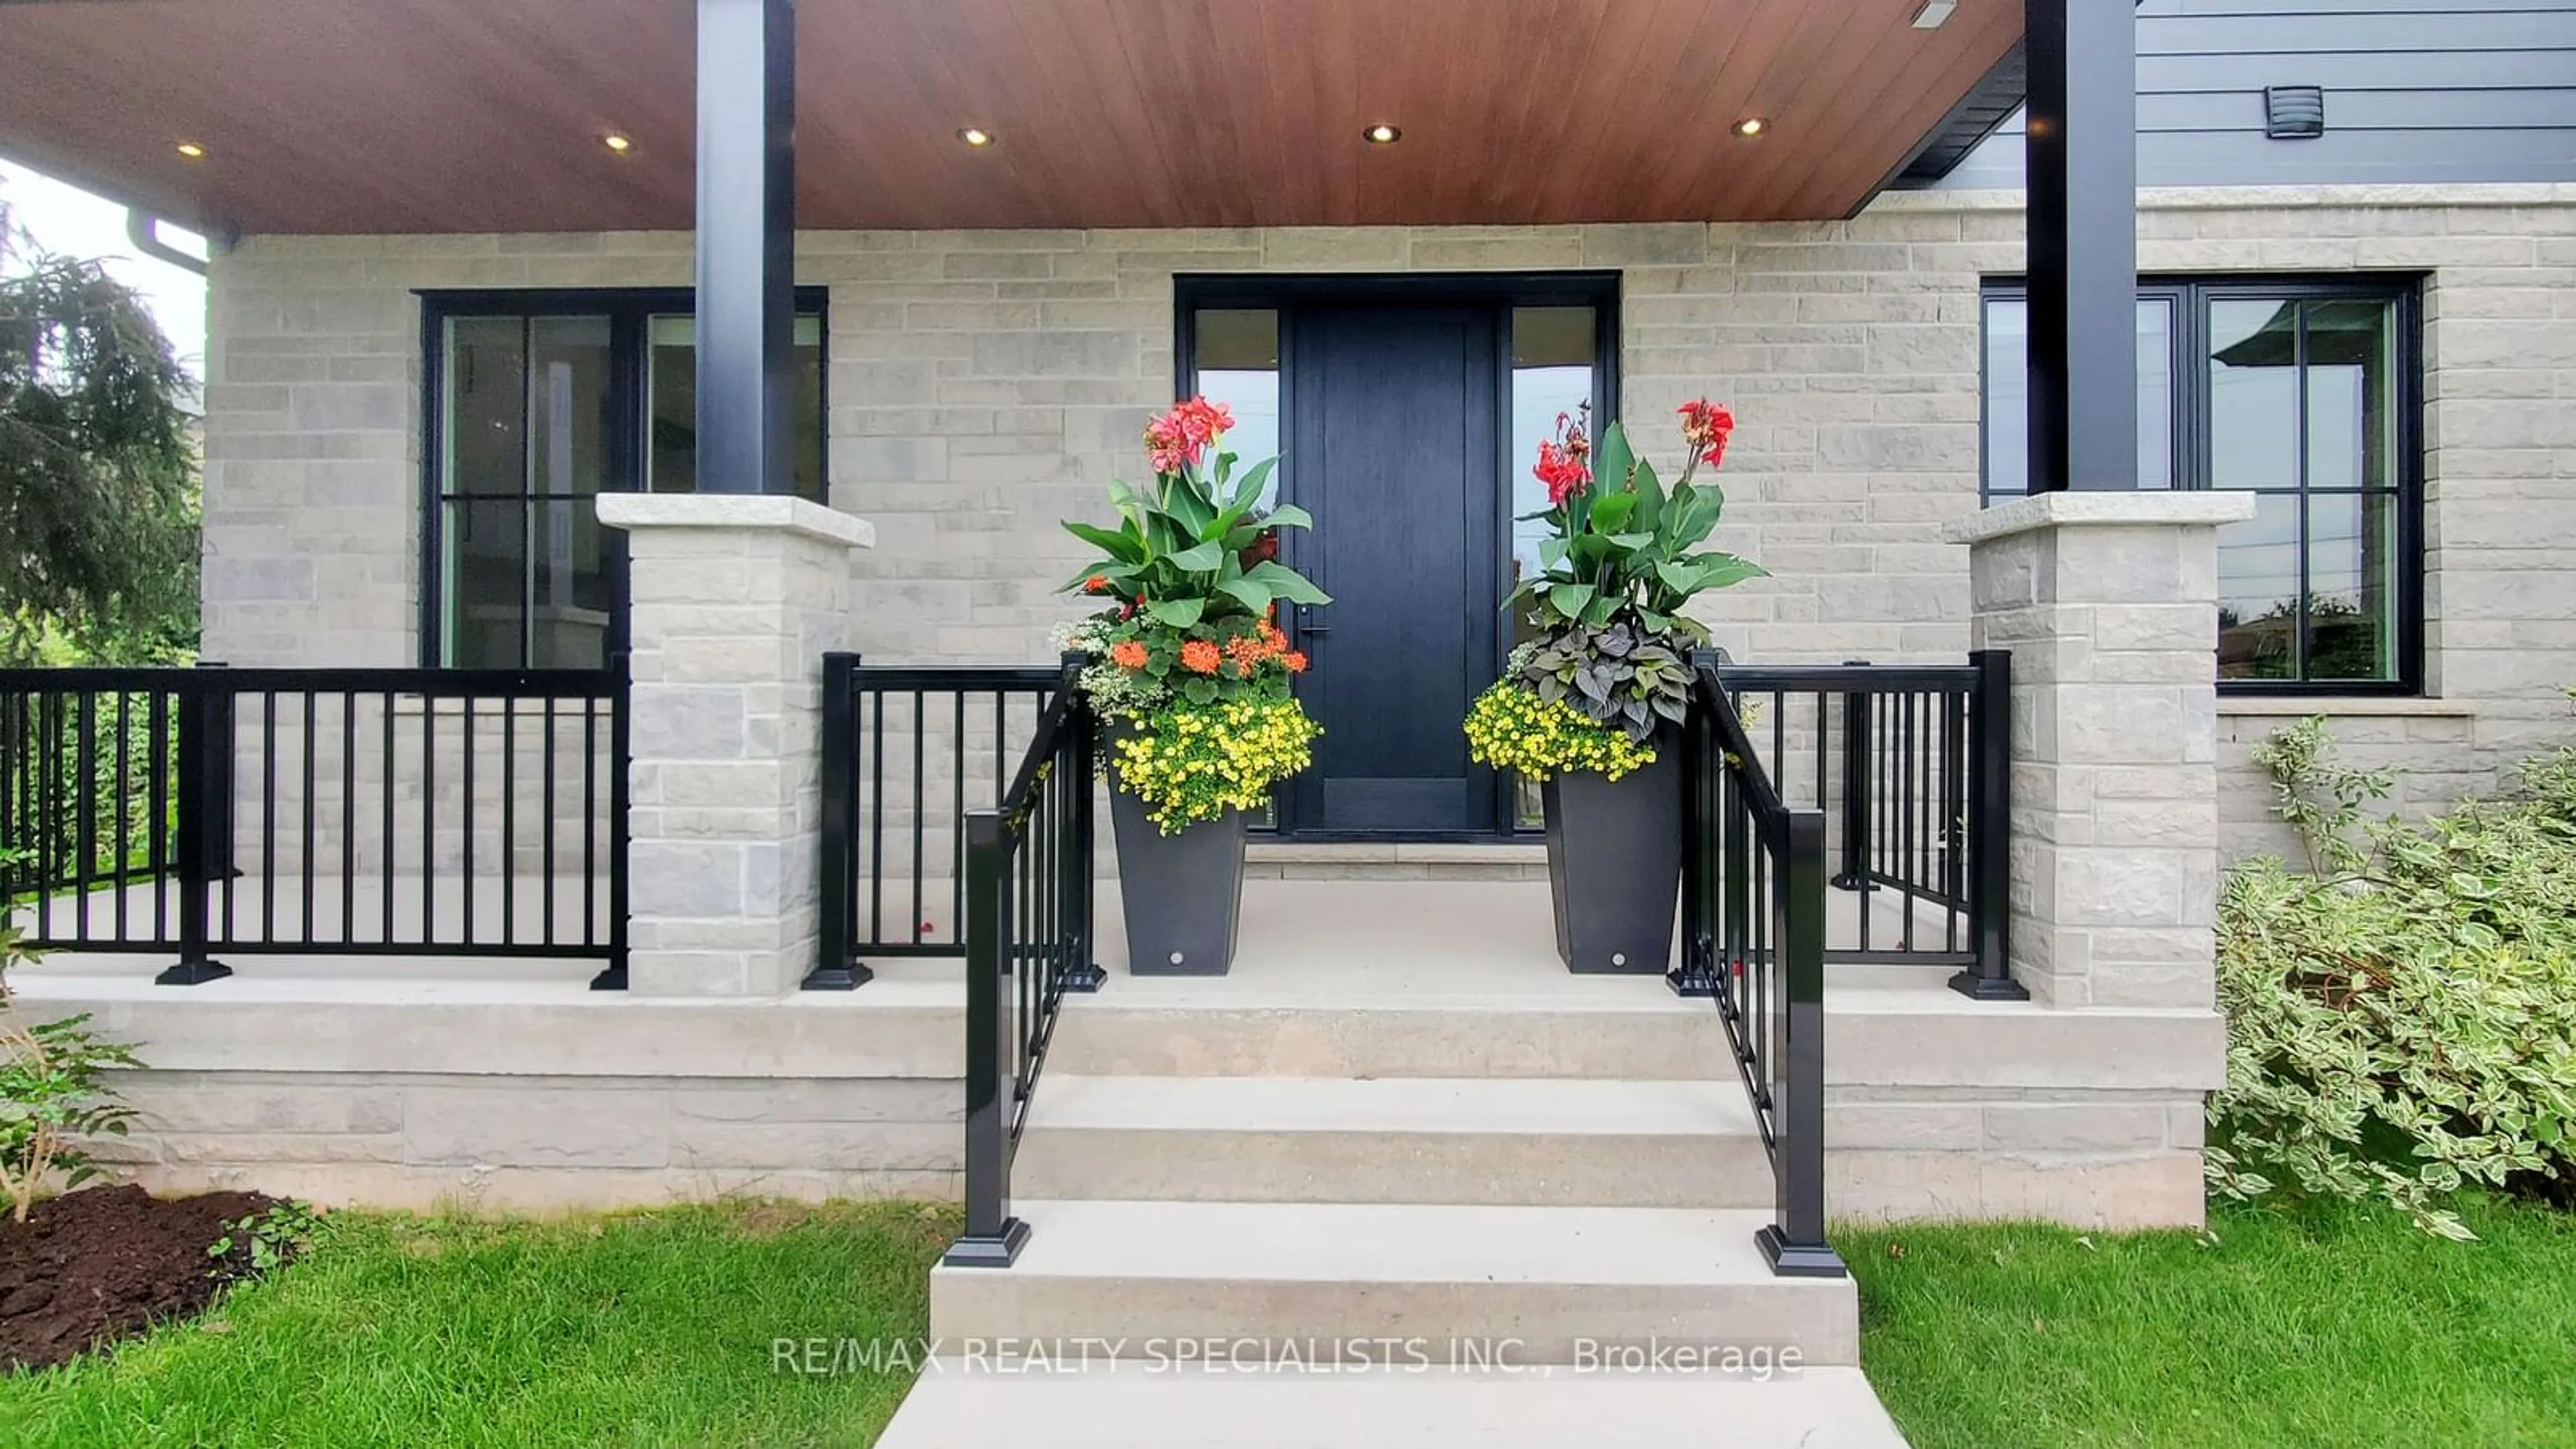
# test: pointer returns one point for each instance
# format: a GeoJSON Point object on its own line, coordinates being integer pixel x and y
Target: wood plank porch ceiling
{"type": "Point", "coordinates": [327, 116]}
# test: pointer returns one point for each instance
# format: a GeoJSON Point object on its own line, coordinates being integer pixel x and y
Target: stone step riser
{"type": "Point", "coordinates": [1542, 1323]}
{"type": "Point", "coordinates": [1398, 870]}
{"type": "Point", "coordinates": [1175, 1407]}
{"type": "Point", "coordinates": [1583, 1169]}
{"type": "Point", "coordinates": [1103, 1039]}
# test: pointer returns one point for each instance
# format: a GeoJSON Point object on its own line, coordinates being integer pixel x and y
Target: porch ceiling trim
{"type": "Point", "coordinates": [489, 115]}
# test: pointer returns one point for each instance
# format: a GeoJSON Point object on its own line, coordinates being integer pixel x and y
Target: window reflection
{"type": "Point", "coordinates": [671, 459]}
{"type": "Point", "coordinates": [1238, 365]}
{"type": "Point", "coordinates": [2007, 394]}
{"type": "Point", "coordinates": [1553, 352]}
{"type": "Point", "coordinates": [538, 414]}
{"type": "Point", "coordinates": [1554, 374]}
{"type": "Point", "coordinates": [2253, 395]}
{"type": "Point", "coordinates": [527, 419]}
{"type": "Point", "coordinates": [2303, 410]}
{"type": "Point", "coordinates": [2258, 592]}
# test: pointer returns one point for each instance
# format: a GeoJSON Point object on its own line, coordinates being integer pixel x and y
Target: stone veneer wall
{"type": "Point", "coordinates": [428, 1141]}
{"type": "Point", "coordinates": [985, 384]}
{"type": "Point", "coordinates": [526, 1091]}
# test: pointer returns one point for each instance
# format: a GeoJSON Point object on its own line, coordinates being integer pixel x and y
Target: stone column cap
{"type": "Point", "coordinates": [2161, 508]}
{"type": "Point", "coordinates": [783, 513]}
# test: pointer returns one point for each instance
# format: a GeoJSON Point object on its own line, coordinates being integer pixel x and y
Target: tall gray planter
{"type": "Point", "coordinates": [1614, 862]}
{"type": "Point", "coordinates": [1183, 893]}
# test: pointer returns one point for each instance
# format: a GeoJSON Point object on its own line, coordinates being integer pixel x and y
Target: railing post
{"type": "Point", "coordinates": [1696, 974]}
{"type": "Point", "coordinates": [621, 717]}
{"type": "Point", "coordinates": [1081, 970]}
{"type": "Point", "coordinates": [1795, 1244]}
{"type": "Point", "coordinates": [993, 1237]}
{"type": "Point", "coordinates": [223, 765]}
{"type": "Point", "coordinates": [836, 965]}
{"type": "Point", "coordinates": [1990, 832]}
{"type": "Point", "coordinates": [1854, 875]}
{"type": "Point", "coordinates": [204, 803]}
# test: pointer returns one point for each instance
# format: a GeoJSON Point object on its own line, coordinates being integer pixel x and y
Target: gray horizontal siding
{"type": "Point", "coordinates": [2416, 91]}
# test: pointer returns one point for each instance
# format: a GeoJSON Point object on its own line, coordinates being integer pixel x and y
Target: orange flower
{"type": "Point", "coordinates": [1200, 657]}
{"type": "Point", "coordinates": [1296, 661]}
{"type": "Point", "coordinates": [1248, 650]}
{"type": "Point", "coordinates": [1095, 585]}
{"type": "Point", "coordinates": [1127, 654]}
{"type": "Point", "coordinates": [1271, 636]}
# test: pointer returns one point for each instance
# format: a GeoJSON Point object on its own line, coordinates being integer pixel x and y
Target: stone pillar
{"type": "Point", "coordinates": [734, 599]}
{"type": "Point", "coordinates": [2109, 604]}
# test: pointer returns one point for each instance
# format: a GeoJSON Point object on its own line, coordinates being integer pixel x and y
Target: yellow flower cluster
{"type": "Point", "coordinates": [1195, 762]}
{"type": "Point", "coordinates": [1511, 728]}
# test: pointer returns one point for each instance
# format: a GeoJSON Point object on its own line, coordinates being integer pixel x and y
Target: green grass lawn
{"type": "Point", "coordinates": [634, 1329]}
{"type": "Point", "coordinates": [2325, 1326]}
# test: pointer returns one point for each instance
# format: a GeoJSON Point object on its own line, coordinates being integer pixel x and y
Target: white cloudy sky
{"type": "Point", "coordinates": [71, 222]}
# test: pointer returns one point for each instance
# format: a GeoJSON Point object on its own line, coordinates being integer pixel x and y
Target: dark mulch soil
{"type": "Point", "coordinates": [106, 1263]}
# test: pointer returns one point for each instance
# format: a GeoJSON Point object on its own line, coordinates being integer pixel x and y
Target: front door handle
{"type": "Point", "coordinates": [1306, 621]}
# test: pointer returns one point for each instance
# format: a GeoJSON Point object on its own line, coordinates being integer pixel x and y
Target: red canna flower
{"type": "Point", "coordinates": [1200, 657]}
{"type": "Point", "coordinates": [1177, 438]}
{"type": "Point", "coordinates": [1095, 585]}
{"type": "Point", "coordinates": [1167, 449]}
{"type": "Point", "coordinates": [1562, 472]}
{"type": "Point", "coordinates": [1561, 462]}
{"type": "Point", "coordinates": [1705, 426]}
{"type": "Point", "coordinates": [1202, 420]}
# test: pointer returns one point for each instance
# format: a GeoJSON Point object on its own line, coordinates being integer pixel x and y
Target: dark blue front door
{"type": "Point", "coordinates": [1391, 444]}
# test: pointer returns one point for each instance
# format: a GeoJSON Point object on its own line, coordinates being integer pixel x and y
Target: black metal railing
{"type": "Point", "coordinates": [344, 812]}
{"type": "Point", "coordinates": [1913, 765]}
{"type": "Point", "coordinates": [908, 750]}
{"type": "Point", "coordinates": [1753, 937]}
{"type": "Point", "coordinates": [1028, 935]}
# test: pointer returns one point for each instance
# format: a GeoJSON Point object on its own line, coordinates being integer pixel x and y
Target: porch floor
{"type": "Point", "coordinates": [1432, 942]}
{"type": "Point", "coordinates": [1303, 942]}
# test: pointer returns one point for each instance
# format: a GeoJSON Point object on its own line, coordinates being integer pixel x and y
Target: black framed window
{"type": "Point", "coordinates": [537, 402]}
{"type": "Point", "coordinates": [2306, 393]}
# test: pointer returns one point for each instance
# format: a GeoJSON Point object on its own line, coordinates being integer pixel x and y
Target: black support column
{"type": "Point", "coordinates": [746, 245]}
{"type": "Point", "coordinates": [2082, 152]}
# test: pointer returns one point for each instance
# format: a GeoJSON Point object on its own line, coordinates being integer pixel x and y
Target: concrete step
{"type": "Point", "coordinates": [1612, 1143]}
{"type": "Point", "coordinates": [1395, 861]}
{"type": "Point", "coordinates": [1132, 1406]}
{"type": "Point", "coordinates": [1543, 1284]}
{"type": "Point", "coordinates": [1211, 1035]}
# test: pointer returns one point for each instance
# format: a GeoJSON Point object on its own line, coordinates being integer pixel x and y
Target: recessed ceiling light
{"type": "Point", "coordinates": [1933, 13]}
{"type": "Point", "coordinates": [1381, 135]}
{"type": "Point", "coordinates": [617, 143]}
{"type": "Point", "coordinates": [975, 136]}
{"type": "Point", "coordinates": [192, 150]}
{"type": "Point", "coordinates": [1751, 126]}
